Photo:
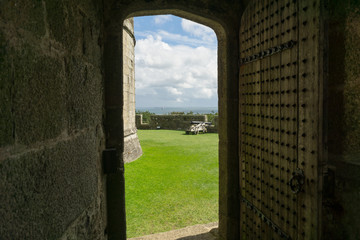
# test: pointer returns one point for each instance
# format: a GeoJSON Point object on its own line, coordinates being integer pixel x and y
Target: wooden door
{"type": "Point", "coordinates": [280, 119]}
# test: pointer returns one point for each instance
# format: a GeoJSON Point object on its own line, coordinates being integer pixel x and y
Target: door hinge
{"type": "Point", "coordinates": [268, 52]}
{"type": "Point", "coordinates": [111, 161]}
{"type": "Point", "coordinates": [266, 220]}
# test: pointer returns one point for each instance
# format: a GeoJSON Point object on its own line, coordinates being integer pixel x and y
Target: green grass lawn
{"type": "Point", "coordinates": [174, 183]}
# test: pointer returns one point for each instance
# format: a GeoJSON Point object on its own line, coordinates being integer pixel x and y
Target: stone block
{"type": "Point", "coordinates": [57, 20]}
{"type": "Point", "coordinates": [6, 85]}
{"type": "Point", "coordinates": [90, 224]}
{"type": "Point", "coordinates": [84, 94]}
{"type": "Point", "coordinates": [132, 148]}
{"type": "Point", "coordinates": [76, 27]}
{"type": "Point", "coordinates": [39, 96]}
{"type": "Point", "coordinates": [23, 14]}
{"type": "Point", "coordinates": [45, 190]}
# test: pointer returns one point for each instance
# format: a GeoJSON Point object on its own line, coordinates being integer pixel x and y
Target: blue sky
{"type": "Point", "coordinates": [175, 63]}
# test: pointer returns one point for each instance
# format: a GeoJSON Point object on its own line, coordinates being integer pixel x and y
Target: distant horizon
{"type": "Point", "coordinates": [167, 110]}
{"type": "Point", "coordinates": [180, 107]}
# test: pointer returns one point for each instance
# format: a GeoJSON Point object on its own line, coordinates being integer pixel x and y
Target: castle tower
{"type": "Point", "coordinates": [132, 148]}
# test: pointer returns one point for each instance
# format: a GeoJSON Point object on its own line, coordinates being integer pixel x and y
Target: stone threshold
{"type": "Point", "coordinates": [197, 232]}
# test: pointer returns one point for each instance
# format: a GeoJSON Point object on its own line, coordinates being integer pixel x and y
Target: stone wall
{"type": "Point", "coordinates": [214, 125]}
{"type": "Point", "coordinates": [51, 108]}
{"type": "Point", "coordinates": [132, 148]}
{"type": "Point", "coordinates": [172, 122]}
{"type": "Point", "coordinates": [341, 212]}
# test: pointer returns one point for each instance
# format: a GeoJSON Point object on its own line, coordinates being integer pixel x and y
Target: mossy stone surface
{"type": "Point", "coordinates": [39, 97]}
{"type": "Point", "coordinates": [6, 88]}
{"type": "Point", "coordinates": [48, 189]}
{"type": "Point", "coordinates": [24, 14]}
{"type": "Point", "coordinates": [84, 94]}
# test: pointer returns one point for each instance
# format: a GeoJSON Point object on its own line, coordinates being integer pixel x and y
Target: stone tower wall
{"type": "Point", "coordinates": [132, 148]}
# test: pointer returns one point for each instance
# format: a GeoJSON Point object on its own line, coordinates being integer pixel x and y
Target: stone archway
{"type": "Point", "coordinates": [224, 21]}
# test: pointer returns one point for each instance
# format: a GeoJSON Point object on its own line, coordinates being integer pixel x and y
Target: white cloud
{"type": "Point", "coordinates": [178, 39]}
{"type": "Point", "coordinates": [205, 93]}
{"type": "Point", "coordinates": [174, 91]}
{"type": "Point", "coordinates": [176, 73]}
{"type": "Point", "coordinates": [198, 30]}
{"type": "Point", "coordinates": [161, 19]}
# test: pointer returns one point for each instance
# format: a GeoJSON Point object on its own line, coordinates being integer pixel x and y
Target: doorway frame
{"type": "Point", "coordinates": [227, 31]}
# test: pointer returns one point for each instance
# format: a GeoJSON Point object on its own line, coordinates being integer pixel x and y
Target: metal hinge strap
{"type": "Point", "coordinates": [268, 52]}
{"type": "Point", "coordinates": [111, 162]}
{"type": "Point", "coordinates": [266, 220]}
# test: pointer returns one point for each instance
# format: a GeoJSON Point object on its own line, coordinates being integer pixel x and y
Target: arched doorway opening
{"type": "Point", "coordinates": [174, 184]}
{"type": "Point", "coordinates": [227, 34]}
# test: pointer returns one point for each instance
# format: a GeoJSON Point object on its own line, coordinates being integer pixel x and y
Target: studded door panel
{"type": "Point", "coordinates": [280, 119]}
